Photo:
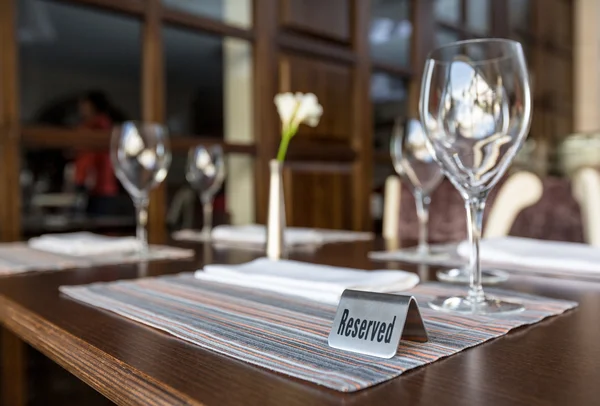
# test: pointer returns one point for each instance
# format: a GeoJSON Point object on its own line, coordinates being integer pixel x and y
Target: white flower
{"type": "Point", "coordinates": [299, 108]}
{"type": "Point", "coordinates": [309, 110]}
{"type": "Point", "coordinates": [286, 107]}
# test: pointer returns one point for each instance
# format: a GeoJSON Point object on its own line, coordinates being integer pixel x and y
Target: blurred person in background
{"type": "Point", "coordinates": [94, 176]}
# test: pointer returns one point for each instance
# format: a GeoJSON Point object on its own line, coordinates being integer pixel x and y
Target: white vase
{"type": "Point", "coordinates": [276, 214]}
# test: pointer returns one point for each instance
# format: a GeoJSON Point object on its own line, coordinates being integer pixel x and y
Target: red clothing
{"type": "Point", "coordinates": [96, 163]}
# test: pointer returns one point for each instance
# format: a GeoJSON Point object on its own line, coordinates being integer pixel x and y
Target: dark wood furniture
{"type": "Point", "coordinates": [553, 362]}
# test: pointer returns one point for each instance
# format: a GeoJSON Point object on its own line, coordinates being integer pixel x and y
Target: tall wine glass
{"type": "Point", "coordinates": [141, 156]}
{"type": "Point", "coordinates": [476, 97]}
{"type": "Point", "coordinates": [205, 173]}
{"type": "Point", "coordinates": [415, 164]}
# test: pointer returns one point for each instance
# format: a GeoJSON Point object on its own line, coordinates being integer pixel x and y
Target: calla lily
{"type": "Point", "coordinates": [286, 106]}
{"type": "Point", "coordinates": [308, 110]}
{"type": "Point", "coordinates": [296, 109]}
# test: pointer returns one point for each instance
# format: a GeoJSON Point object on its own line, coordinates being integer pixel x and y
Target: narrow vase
{"type": "Point", "coordinates": [276, 214]}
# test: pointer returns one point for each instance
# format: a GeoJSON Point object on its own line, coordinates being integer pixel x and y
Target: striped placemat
{"type": "Point", "coordinates": [18, 257]}
{"type": "Point", "coordinates": [289, 335]}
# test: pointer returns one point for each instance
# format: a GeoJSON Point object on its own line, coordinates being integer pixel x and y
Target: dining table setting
{"type": "Point", "coordinates": [228, 327]}
{"type": "Point", "coordinates": [271, 314]}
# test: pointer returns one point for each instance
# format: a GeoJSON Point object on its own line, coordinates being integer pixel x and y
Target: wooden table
{"type": "Point", "coordinates": [552, 362]}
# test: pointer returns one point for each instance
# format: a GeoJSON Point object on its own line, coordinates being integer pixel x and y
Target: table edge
{"type": "Point", "coordinates": [114, 379]}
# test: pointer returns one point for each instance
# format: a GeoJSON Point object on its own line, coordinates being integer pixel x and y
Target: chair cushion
{"type": "Point", "coordinates": [555, 217]}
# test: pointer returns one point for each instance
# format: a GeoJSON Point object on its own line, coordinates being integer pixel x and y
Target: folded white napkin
{"type": "Point", "coordinates": [439, 254]}
{"type": "Point", "coordinates": [537, 255]}
{"type": "Point", "coordinates": [255, 234]}
{"type": "Point", "coordinates": [84, 244]}
{"type": "Point", "coordinates": [321, 283]}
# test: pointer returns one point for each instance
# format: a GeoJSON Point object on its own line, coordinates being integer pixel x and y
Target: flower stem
{"type": "Point", "coordinates": [285, 141]}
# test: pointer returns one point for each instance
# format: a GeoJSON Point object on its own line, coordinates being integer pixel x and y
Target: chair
{"type": "Point", "coordinates": [586, 190]}
{"type": "Point", "coordinates": [391, 207]}
{"type": "Point", "coordinates": [447, 217]}
{"type": "Point", "coordinates": [555, 217]}
{"type": "Point", "coordinates": [519, 191]}
{"type": "Point", "coordinates": [182, 208]}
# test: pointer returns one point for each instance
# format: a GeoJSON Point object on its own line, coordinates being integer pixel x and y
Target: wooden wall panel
{"type": "Point", "coordinates": [362, 119]}
{"type": "Point", "coordinates": [153, 98]}
{"type": "Point", "coordinates": [325, 18]}
{"type": "Point", "coordinates": [318, 196]}
{"type": "Point", "coordinates": [266, 122]}
{"type": "Point", "coordinates": [10, 190]}
{"type": "Point", "coordinates": [331, 82]}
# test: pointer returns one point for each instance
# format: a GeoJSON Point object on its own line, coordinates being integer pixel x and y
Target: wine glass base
{"type": "Point", "coordinates": [462, 275]}
{"type": "Point", "coordinates": [463, 305]}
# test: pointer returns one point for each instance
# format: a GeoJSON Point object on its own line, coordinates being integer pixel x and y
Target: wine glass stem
{"type": "Point", "coordinates": [207, 208]}
{"type": "Point", "coordinates": [141, 232]}
{"type": "Point", "coordinates": [475, 208]}
{"type": "Point", "coordinates": [423, 202]}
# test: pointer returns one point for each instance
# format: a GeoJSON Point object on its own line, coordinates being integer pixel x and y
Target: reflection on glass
{"type": "Point", "coordinates": [389, 100]}
{"type": "Point", "coordinates": [478, 16]}
{"type": "Point", "coordinates": [519, 13]}
{"type": "Point", "coordinates": [389, 97]}
{"type": "Point", "coordinates": [57, 64]}
{"type": "Point", "coordinates": [444, 37]}
{"type": "Point", "coordinates": [478, 98]}
{"type": "Point", "coordinates": [447, 11]}
{"type": "Point", "coordinates": [415, 164]}
{"type": "Point", "coordinates": [234, 12]}
{"type": "Point", "coordinates": [194, 82]}
{"type": "Point", "coordinates": [206, 173]}
{"type": "Point", "coordinates": [141, 156]}
{"type": "Point", "coordinates": [390, 32]}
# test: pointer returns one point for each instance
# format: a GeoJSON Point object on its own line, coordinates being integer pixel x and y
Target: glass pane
{"type": "Point", "coordinates": [205, 74]}
{"type": "Point", "coordinates": [194, 82]}
{"type": "Point", "coordinates": [68, 54]}
{"type": "Point", "coordinates": [209, 94]}
{"type": "Point", "coordinates": [520, 15]}
{"type": "Point", "coordinates": [234, 12]}
{"type": "Point", "coordinates": [478, 16]}
{"type": "Point", "coordinates": [391, 30]}
{"type": "Point", "coordinates": [233, 203]}
{"type": "Point", "coordinates": [443, 37]}
{"type": "Point", "coordinates": [389, 95]}
{"type": "Point", "coordinates": [185, 210]}
{"type": "Point", "coordinates": [448, 11]}
{"type": "Point", "coordinates": [67, 51]}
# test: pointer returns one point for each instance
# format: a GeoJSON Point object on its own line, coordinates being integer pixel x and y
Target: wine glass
{"type": "Point", "coordinates": [414, 163]}
{"type": "Point", "coordinates": [140, 156]}
{"type": "Point", "coordinates": [205, 173]}
{"type": "Point", "coordinates": [476, 97]}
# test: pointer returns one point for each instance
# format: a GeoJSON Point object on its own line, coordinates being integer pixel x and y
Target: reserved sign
{"type": "Point", "coordinates": [373, 323]}
{"type": "Point", "coordinates": [371, 330]}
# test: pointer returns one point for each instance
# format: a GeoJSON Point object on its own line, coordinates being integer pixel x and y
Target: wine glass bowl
{"type": "Point", "coordinates": [206, 170]}
{"type": "Point", "coordinates": [141, 157]}
{"type": "Point", "coordinates": [413, 161]}
{"type": "Point", "coordinates": [480, 114]}
{"type": "Point", "coordinates": [476, 106]}
{"type": "Point", "coordinates": [205, 173]}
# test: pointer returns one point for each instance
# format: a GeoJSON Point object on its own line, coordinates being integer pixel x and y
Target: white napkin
{"type": "Point", "coordinates": [255, 234]}
{"type": "Point", "coordinates": [321, 283]}
{"type": "Point", "coordinates": [439, 254]}
{"type": "Point", "coordinates": [536, 255]}
{"type": "Point", "coordinates": [84, 244]}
